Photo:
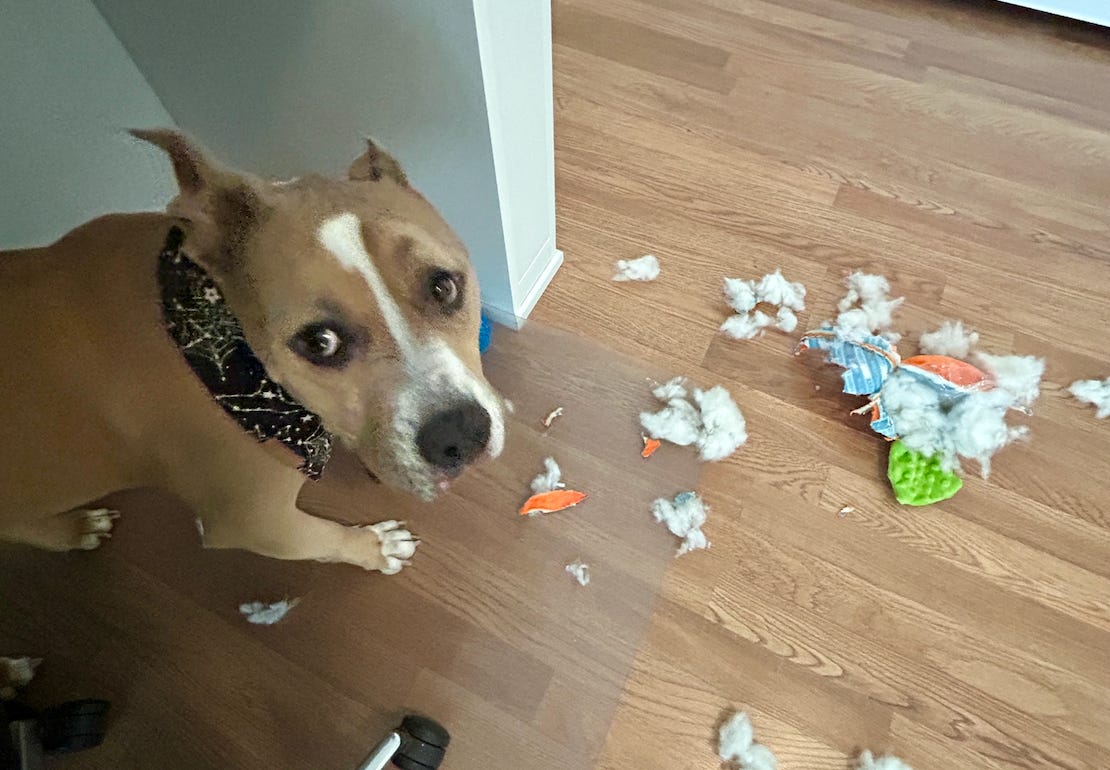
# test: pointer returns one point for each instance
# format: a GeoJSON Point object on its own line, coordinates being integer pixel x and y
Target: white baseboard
{"type": "Point", "coordinates": [528, 295]}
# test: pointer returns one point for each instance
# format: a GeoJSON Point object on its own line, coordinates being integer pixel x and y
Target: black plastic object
{"type": "Point", "coordinates": [74, 726]}
{"type": "Point", "coordinates": [423, 744]}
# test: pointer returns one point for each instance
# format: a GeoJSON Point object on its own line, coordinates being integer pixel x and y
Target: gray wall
{"type": "Point", "coordinates": [67, 92]}
{"type": "Point", "coordinates": [284, 87]}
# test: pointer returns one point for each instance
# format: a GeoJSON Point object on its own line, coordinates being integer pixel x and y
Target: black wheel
{"type": "Point", "coordinates": [74, 726]}
{"type": "Point", "coordinates": [423, 744]}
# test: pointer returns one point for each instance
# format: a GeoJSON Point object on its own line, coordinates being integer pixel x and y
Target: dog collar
{"type": "Point", "coordinates": [210, 338]}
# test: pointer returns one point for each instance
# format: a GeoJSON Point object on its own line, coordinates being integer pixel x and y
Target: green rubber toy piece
{"type": "Point", "coordinates": [917, 479]}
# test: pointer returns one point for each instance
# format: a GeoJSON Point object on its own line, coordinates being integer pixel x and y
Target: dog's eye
{"type": "Point", "coordinates": [445, 289]}
{"type": "Point", "coordinates": [320, 344]}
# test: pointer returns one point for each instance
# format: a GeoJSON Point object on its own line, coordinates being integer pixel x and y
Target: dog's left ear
{"type": "Point", "coordinates": [219, 204]}
{"type": "Point", "coordinates": [376, 163]}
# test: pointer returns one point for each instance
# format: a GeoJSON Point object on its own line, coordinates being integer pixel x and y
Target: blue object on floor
{"type": "Point", "coordinates": [485, 334]}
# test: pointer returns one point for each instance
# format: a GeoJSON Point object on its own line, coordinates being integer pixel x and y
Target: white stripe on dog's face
{"type": "Point", "coordinates": [342, 236]}
{"type": "Point", "coordinates": [434, 375]}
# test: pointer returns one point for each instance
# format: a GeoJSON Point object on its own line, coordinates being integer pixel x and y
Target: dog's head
{"type": "Point", "coordinates": [359, 299]}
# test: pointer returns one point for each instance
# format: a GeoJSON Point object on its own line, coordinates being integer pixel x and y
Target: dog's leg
{"type": "Point", "coordinates": [79, 529]}
{"type": "Point", "coordinates": [268, 522]}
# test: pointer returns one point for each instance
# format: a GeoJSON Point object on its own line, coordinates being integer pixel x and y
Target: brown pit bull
{"type": "Point", "coordinates": [216, 350]}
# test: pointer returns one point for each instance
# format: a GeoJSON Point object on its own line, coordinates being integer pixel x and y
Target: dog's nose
{"type": "Point", "coordinates": [453, 438]}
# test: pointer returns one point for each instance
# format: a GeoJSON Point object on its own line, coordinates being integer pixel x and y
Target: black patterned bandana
{"type": "Point", "coordinates": [211, 339]}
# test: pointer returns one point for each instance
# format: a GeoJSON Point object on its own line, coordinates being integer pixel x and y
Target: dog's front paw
{"type": "Point", "coordinates": [395, 546]}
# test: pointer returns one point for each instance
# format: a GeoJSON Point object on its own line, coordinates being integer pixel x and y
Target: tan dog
{"type": "Point", "coordinates": [356, 298]}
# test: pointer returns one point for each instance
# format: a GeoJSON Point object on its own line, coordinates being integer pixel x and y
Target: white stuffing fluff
{"type": "Point", "coordinates": [1020, 376]}
{"type": "Point", "coordinates": [951, 339]}
{"type": "Point", "coordinates": [786, 320]}
{"type": "Point", "coordinates": [774, 289]}
{"type": "Point", "coordinates": [723, 429]}
{"type": "Point", "coordinates": [740, 294]}
{"type": "Point", "coordinates": [973, 427]}
{"type": "Point", "coordinates": [264, 614]}
{"type": "Point", "coordinates": [677, 422]}
{"type": "Point", "coordinates": [684, 517]}
{"type": "Point", "coordinates": [746, 326]}
{"type": "Point", "coordinates": [1094, 392]}
{"type": "Point", "coordinates": [672, 388]}
{"type": "Point", "coordinates": [867, 761]}
{"type": "Point", "coordinates": [716, 425]}
{"type": "Point", "coordinates": [551, 478]}
{"type": "Point", "coordinates": [16, 673]}
{"type": "Point", "coordinates": [867, 308]}
{"type": "Point", "coordinates": [736, 743]}
{"type": "Point", "coordinates": [646, 268]}
{"type": "Point", "coordinates": [580, 572]}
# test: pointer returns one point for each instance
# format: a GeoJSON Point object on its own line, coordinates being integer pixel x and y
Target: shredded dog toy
{"type": "Point", "coordinates": [650, 446]}
{"type": "Point", "coordinates": [550, 502]}
{"type": "Point", "coordinates": [716, 426]}
{"type": "Point", "coordinates": [263, 614]}
{"type": "Point", "coordinates": [939, 406]}
{"type": "Point", "coordinates": [551, 478]}
{"type": "Point", "coordinates": [646, 268]}
{"type": "Point", "coordinates": [736, 744]}
{"type": "Point", "coordinates": [1094, 392]}
{"type": "Point", "coordinates": [684, 517]}
{"type": "Point", "coordinates": [555, 414]}
{"type": "Point", "coordinates": [580, 572]}
{"type": "Point", "coordinates": [867, 761]}
{"type": "Point", "coordinates": [771, 290]}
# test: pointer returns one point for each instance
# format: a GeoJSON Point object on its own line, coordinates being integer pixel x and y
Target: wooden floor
{"type": "Point", "coordinates": [964, 152]}
{"type": "Point", "coordinates": [959, 148]}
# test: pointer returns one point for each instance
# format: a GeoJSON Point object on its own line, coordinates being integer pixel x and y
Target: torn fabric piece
{"type": "Point", "coordinates": [867, 761]}
{"type": "Point", "coordinates": [867, 361]}
{"type": "Point", "coordinates": [736, 743]}
{"type": "Point", "coordinates": [867, 309]}
{"type": "Point", "coordinates": [264, 614]}
{"type": "Point", "coordinates": [1094, 392]}
{"type": "Point", "coordinates": [684, 517]}
{"type": "Point", "coordinates": [646, 268]}
{"type": "Point", "coordinates": [950, 339]}
{"type": "Point", "coordinates": [580, 572]}
{"type": "Point", "coordinates": [550, 479]}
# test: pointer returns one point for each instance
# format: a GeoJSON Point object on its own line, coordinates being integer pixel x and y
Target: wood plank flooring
{"type": "Point", "coordinates": [960, 148]}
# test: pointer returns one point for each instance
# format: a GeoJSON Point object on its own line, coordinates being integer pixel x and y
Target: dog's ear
{"type": "Point", "coordinates": [376, 163]}
{"type": "Point", "coordinates": [219, 204]}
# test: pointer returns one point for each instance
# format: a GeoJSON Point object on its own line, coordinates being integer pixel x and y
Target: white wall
{"type": "Point", "coordinates": [1093, 11]}
{"type": "Point", "coordinates": [514, 40]}
{"type": "Point", "coordinates": [287, 87]}
{"type": "Point", "coordinates": [67, 92]}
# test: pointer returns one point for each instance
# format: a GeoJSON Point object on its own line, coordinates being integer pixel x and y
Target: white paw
{"type": "Point", "coordinates": [396, 543]}
{"type": "Point", "coordinates": [95, 526]}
